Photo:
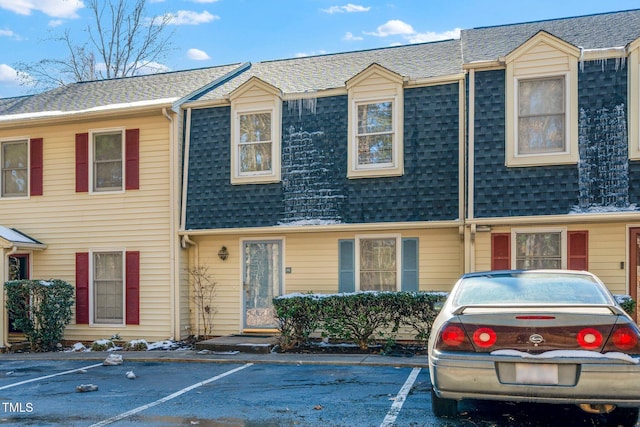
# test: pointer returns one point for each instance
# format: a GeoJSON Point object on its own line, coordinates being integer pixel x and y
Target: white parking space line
{"type": "Point", "coordinates": [390, 419]}
{"type": "Point", "coordinates": [169, 397]}
{"type": "Point", "coordinates": [49, 376]}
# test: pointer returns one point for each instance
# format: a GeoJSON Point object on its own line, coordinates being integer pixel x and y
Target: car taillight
{"type": "Point", "coordinates": [484, 337]}
{"type": "Point", "coordinates": [452, 335]}
{"type": "Point", "coordinates": [624, 338]}
{"type": "Point", "coordinates": [589, 339]}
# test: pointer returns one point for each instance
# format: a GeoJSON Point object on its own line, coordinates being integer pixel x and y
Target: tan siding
{"type": "Point", "coordinates": [607, 250]}
{"type": "Point", "coordinates": [70, 222]}
{"type": "Point", "coordinates": [313, 259]}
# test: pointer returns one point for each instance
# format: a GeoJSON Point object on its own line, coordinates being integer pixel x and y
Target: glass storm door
{"type": "Point", "coordinates": [262, 279]}
{"type": "Point", "coordinates": [634, 265]}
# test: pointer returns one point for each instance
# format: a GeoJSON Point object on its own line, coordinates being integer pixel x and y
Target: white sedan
{"type": "Point", "coordinates": [539, 336]}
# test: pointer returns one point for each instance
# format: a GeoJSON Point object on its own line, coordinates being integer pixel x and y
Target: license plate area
{"type": "Point", "coordinates": [536, 373]}
{"type": "Point", "coordinates": [542, 374]}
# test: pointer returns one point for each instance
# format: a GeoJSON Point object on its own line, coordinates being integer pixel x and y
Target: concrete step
{"type": "Point", "coordinates": [245, 343]}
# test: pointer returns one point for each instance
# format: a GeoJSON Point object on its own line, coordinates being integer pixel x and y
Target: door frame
{"type": "Point", "coordinates": [243, 301]}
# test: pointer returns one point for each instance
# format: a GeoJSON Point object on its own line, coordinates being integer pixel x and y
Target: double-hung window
{"type": "Point", "coordinates": [378, 266]}
{"type": "Point", "coordinates": [255, 143]}
{"type": "Point", "coordinates": [375, 134]}
{"type": "Point", "coordinates": [539, 249]}
{"type": "Point", "coordinates": [107, 156]}
{"type": "Point", "coordinates": [542, 116]}
{"type": "Point", "coordinates": [108, 287]}
{"type": "Point", "coordinates": [15, 168]}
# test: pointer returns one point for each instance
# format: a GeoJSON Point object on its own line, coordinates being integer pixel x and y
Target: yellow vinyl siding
{"type": "Point", "coordinates": [136, 220]}
{"type": "Point", "coordinates": [607, 250]}
{"type": "Point", "coordinates": [313, 259]}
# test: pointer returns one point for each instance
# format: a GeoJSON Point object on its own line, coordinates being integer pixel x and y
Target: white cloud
{"type": "Point", "coordinates": [197, 55]}
{"type": "Point", "coordinates": [203, 1]}
{"type": "Point", "coordinates": [53, 8]}
{"type": "Point", "coordinates": [433, 36]}
{"type": "Point", "coordinates": [348, 8]}
{"type": "Point", "coordinates": [350, 37]}
{"type": "Point", "coordinates": [55, 23]}
{"type": "Point", "coordinates": [7, 33]}
{"type": "Point", "coordinates": [8, 74]}
{"type": "Point", "coordinates": [395, 27]}
{"type": "Point", "coordinates": [392, 28]}
{"type": "Point", "coordinates": [187, 17]}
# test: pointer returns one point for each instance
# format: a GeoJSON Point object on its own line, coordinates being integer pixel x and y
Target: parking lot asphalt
{"type": "Point", "coordinates": [419, 361]}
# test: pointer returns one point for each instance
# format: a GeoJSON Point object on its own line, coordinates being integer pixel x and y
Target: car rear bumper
{"type": "Point", "coordinates": [572, 380]}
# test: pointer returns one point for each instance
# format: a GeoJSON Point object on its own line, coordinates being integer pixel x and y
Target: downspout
{"type": "Point", "coordinates": [462, 125]}
{"type": "Point", "coordinates": [5, 315]}
{"type": "Point", "coordinates": [470, 259]}
{"type": "Point", "coordinates": [186, 242]}
{"type": "Point", "coordinates": [172, 227]}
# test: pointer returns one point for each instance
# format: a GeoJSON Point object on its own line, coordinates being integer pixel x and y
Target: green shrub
{"type": "Point", "coordinates": [359, 317]}
{"type": "Point", "coordinates": [627, 303]}
{"type": "Point", "coordinates": [41, 309]}
{"type": "Point", "coordinates": [298, 316]}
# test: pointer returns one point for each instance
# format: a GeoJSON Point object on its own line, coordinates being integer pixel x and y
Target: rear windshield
{"type": "Point", "coordinates": [523, 288]}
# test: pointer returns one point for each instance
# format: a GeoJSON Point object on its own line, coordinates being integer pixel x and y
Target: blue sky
{"type": "Point", "coordinates": [217, 32]}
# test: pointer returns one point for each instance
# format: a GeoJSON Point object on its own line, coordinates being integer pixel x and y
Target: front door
{"type": "Point", "coordinates": [634, 265]}
{"type": "Point", "coordinates": [262, 278]}
{"type": "Point", "coordinates": [18, 270]}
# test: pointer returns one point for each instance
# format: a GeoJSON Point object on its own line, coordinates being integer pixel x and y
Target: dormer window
{"type": "Point", "coordinates": [375, 124]}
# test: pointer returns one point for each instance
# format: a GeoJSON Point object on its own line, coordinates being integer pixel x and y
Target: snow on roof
{"type": "Point", "coordinates": [14, 237]}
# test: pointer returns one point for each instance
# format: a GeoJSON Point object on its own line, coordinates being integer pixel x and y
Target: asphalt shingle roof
{"type": "Point", "coordinates": [607, 30]}
{"type": "Point", "coordinates": [314, 73]}
{"type": "Point", "coordinates": [96, 94]}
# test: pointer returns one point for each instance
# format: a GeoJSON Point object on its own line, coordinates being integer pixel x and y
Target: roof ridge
{"type": "Point", "coordinates": [566, 18]}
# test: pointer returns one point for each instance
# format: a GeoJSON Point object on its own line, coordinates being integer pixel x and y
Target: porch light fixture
{"type": "Point", "coordinates": [223, 253]}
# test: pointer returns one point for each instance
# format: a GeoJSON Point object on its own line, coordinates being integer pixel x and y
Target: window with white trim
{"type": "Point", "coordinates": [376, 98]}
{"type": "Point", "coordinates": [108, 284]}
{"type": "Point", "coordinates": [107, 154]}
{"type": "Point", "coordinates": [539, 249]}
{"type": "Point", "coordinates": [256, 122]}
{"type": "Point", "coordinates": [541, 104]}
{"type": "Point", "coordinates": [14, 156]}
{"type": "Point", "coordinates": [378, 263]}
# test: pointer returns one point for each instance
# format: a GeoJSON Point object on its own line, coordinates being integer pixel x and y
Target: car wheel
{"type": "Point", "coordinates": [443, 407]}
{"type": "Point", "coordinates": [623, 417]}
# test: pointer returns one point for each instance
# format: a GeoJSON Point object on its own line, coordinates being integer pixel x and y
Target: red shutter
{"type": "Point", "coordinates": [82, 288]}
{"type": "Point", "coordinates": [501, 251]}
{"type": "Point", "coordinates": [578, 250]}
{"type": "Point", "coordinates": [133, 288]}
{"type": "Point", "coordinates": [82, 162]}
{"type": "Point", "coordinates": [132, 159]}
{"type": "Point", "coordinates": [36, 166]}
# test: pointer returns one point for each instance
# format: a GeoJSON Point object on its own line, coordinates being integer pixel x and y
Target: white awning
{"type": "Point", "coordinates": [12, 238]}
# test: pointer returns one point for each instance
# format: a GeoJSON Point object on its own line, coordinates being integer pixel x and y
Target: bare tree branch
{"type": "Point", "coordinates": [121, 42]}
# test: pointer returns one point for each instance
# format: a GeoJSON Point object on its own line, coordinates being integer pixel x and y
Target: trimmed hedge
{"type": "Point", "coordinates": [359, 317]}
